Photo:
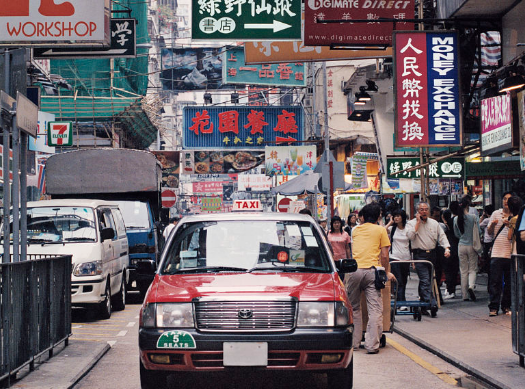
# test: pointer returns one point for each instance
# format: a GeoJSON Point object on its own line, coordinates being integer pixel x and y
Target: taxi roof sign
{"type": "Point", "coordinates": [247, 205]}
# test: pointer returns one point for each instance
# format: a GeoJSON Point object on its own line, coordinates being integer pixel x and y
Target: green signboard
{"type": "Point", "coordinates": [59, 134]}
{"type": "Point", "coordinates": [246, 20]}
{"type": "Point", "coordinates": [446, 168]}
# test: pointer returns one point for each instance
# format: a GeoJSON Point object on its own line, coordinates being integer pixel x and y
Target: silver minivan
{"type": "Point", "coordinates": [93, 232]}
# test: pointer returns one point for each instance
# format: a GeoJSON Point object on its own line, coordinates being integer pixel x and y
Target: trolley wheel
{"type": "Point", "coordinates": [417, 314]}
{"type": "Point", "coordinates": [382, 341]}
{"type": "Point", "coordinates": [433, 311]}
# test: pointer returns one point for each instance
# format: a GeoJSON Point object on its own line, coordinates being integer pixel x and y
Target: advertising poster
{"type": "Point", "coordinates": [211, 204]}
{"type": "Point", "coordinates": [433, 186]}
{"type": "Point", "coordinates": [290, 160]}
{"type": "Point", "coordinates": [222, 162]}
{"type": "Point", "coordinates": [235, 71]}
{"type": "Point", "coordinates": [426, 89]}
{"type": "Point", "coordinates": [170, 161]}
{"type": "Point", "coordinates": [456, 187]}
{"type": "Point", "coordinates": [191, 69]}
{"type": "Point", "coordinates": [359, 177]}
{"type": "Point", "coordinates": [444, 187]}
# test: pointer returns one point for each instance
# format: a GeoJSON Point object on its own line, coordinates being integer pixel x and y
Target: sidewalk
{"type": "Point", "coordinates": [464, 335]}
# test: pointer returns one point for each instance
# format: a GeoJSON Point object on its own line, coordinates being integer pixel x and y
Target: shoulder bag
{"type": "Point", "coordinates": [381, 278]}
{"type": "Point", "coordinates": [476, 241]}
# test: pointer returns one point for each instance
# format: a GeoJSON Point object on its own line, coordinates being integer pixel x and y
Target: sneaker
{"type": "Point", "coordinates": [449, 296]}
{"type": "Point", "coordinates": [493, 312]}
{"type": "Point", "coordinates": [471, 294]}
{"type": "Point", "coordinates": [507, 311]}
{"type": "Point", "coordinates": [403, 309]}
{"type": "Point", "coordinates": [374, 351]}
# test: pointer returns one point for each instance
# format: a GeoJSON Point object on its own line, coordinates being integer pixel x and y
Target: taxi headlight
{"type": "Point", "coordinates": [167, 315]}
{"type": "Point", "coordinates": [322, 314]}
{"type": "Point", "coordinates": [88, 269]}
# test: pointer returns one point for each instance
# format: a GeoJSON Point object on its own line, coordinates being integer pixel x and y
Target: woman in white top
{"type": "Point", "coordinates": [399, 251]}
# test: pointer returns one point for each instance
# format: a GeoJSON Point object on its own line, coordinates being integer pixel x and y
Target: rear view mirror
{"type": "Point", "coordinates": [347, 265]}
{"type": "Point", "coordinates": [107, 233]}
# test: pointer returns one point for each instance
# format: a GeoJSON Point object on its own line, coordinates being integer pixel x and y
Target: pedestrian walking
{"type": "Point", "coordinates": [370, 248]}
{"type": "Point", "coordinates": [451, 265]}
{"type": "Point", "coordinates": [339, 239]}
{"type": "Point", "coordinates": [170, 227]}
{"type": "Point", "coordinates": [499, 281]}
{"type": "Point", "coordinates": [426, 235]}
{"type": "Point", "coordinates": [466, 228]}
{"type": "Point", "coordinates": [399, 251]}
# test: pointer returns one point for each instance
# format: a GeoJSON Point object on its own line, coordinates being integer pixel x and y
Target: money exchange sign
{"type": "Point", "coordinates": [246, 20]}
{"type": "Point", "coordinates": [426, 84]}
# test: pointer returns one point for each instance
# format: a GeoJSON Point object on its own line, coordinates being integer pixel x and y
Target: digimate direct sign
{"type": "Point", "coordinates": [45, 21]}
{"type": "Point", "coordinates": [496, 125]}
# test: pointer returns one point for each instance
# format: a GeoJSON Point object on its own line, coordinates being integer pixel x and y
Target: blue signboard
{"type": "Point", "coordinates": [235, 71]}
{"type": "Point", "coordinates": [239, 127]}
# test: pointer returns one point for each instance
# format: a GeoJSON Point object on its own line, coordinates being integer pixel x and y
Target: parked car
{"type": "Point", "coordinates": [93, 232]}
{"type": "Point", "coordinates": [245, 290]}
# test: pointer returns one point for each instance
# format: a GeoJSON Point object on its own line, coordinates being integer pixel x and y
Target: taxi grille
{"type": "Point", "coordinates": [245, 315]}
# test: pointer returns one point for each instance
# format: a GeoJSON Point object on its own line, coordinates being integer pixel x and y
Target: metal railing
{"type": "Point", "coordinates": [35, 310]}
{"type": "Point", "coordinates": [517, 275]}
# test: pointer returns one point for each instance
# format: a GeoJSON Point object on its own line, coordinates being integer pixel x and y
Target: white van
{"type": "Point", "coordinates": [93, 232]}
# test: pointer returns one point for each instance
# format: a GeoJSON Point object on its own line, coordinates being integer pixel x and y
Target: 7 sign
{"type": "Point", "coordinates": [60, 134]}
{"type": "Point", "coordinates": [243, 20]}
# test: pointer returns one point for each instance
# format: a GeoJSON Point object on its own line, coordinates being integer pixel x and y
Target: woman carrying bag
{"type": "Point", "coordinates": [466, 228]}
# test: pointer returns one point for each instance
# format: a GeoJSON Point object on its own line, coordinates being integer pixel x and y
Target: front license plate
{"type": "Point", "coordinates": [245, 354]}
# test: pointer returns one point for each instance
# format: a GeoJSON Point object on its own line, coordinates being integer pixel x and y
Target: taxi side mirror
{"type": "Point", "coordinates": [346, 265]}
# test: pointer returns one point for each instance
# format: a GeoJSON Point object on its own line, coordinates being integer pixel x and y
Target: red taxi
{"type": "Point", "coordinates": [247, 290]}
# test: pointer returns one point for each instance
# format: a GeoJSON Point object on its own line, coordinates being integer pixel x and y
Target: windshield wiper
{"type": "Point", "coordinates": [295, 269]}
{"type": "Point", "coordinates": [210, 269]}
{"type": "Point", "coordinates": [135, 227]}
{"type": "Point", "coordinates": [42, 240]}
{"type": "Point", "coordinates": [79, 239]}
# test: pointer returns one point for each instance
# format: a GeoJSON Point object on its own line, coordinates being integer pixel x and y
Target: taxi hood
{"type": "Point", "coordinates": [303, 286]}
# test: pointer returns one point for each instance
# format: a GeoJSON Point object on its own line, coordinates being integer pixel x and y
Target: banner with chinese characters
{"type": "Point", "coordinates": [211, 204]}
{"type": "Point", "coordinates": [235, 71]}
{"type": "Point", "coordinates": [290, 160]}
{"type": "Point", "coordinates": [239, 127]}
{"type": "Point", "coordinates": [208, 187]}
{"type": "Point", "coordinates": [426, 85]}
{"type": "Point", "coordinates": [254, 182]}
{"type": "Point", "coordinates": [446, 168]}
{"type": "Point", "coordinates": [496, 124]}
{"type": "Point", "coordinates": [317, 33]}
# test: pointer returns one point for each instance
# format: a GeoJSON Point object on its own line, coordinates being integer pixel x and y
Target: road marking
{"type": "Point", "coordinates": [431, 368]}
{"type": "Point", "coordinates": [131, 324]}
{"type": "Point", "coordinates": [122, 333]}
{"type": "Point", "coordinates": [112, 342]}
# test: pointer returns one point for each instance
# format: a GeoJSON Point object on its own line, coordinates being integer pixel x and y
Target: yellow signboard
{"type": "Point", "coordinates": [280, 51]}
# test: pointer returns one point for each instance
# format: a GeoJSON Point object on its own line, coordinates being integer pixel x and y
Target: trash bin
{"type": "Point", "coordinates": [518, 306]}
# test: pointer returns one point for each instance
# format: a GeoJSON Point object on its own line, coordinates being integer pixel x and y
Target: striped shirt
{"type": "Point", "coordinates": [502, 245]}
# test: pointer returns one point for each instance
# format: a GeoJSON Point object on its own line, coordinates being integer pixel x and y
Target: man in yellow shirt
{"type": "Point", "coordinates": [370, 245]}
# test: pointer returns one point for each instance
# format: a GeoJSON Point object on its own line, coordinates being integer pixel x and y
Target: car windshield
{"type": "Point", "coordinates": [246, 246]}
{"type": "Point", "coordinates": [59, 224]}
{"type": "Point", "coordinates": [135, 214]}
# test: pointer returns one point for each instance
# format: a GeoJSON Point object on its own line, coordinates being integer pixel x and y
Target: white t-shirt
{"type": "Point", "coordinates": [167, 230]}
{"type": "Point", "coordinates": [400, 245]}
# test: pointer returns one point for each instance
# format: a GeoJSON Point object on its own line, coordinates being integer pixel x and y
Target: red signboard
{"type": "Point", "coordinates": [208, 187]}
{"type": "Point", "coordinates": [373, 32]}
{"type": "Point", "coordinates": [169, 198]}
{"type": "Point", "coordinates": [284, 204]}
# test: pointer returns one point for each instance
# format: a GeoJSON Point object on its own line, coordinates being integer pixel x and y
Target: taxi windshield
{"type": "Point", "coordinates": [246, 246]}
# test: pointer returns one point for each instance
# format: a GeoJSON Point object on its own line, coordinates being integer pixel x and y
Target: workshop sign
{"type": "Point", "coordinates": [235, 71]}
{"type": "Point", "coordinates": [41, 21]}
{"type": "Point", "coordinates": [246, 20]}
{"type": "Point", "coordinates": [446, 168]}
{"type": "Point", "coordinates": [236, 127]}
{"type": "Point", "coordinates": [426, 84]}
{"type": "Point", "coordinates": [496, 124]}
{"type": "Point", "coordinates": [372, 32]}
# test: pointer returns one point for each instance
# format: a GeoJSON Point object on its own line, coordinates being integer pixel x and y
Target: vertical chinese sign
{"type": "Point", "coordinates": [426, 84]}
{"type": "Point", "coordinates": [241, 127]}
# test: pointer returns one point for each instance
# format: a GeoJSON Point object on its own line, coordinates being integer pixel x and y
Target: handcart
{"type": "Point", "coordinates": [415, 306]}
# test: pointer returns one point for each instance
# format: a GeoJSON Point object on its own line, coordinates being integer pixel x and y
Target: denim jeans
{"type": "Point", "coordinates": [423, 271]}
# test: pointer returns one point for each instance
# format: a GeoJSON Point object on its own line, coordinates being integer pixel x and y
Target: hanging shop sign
{"type": "Point", "coordinates": [290, 160]}
{"type": "Point", "coordinates": [494, 170]}
{"type": "Point", "coordinates": [235, 71]}
{"type": "Point", "coordinates": [208, 187]}
{"type": "Point", "coordinates": [359, 177]}
{"type": "Point", "coordinates": [122, 45]}
{"type": "Point", "coordinates": [254, 182]}
{"type": "Point", "coordinates": [191, 68]}
{"type": "Point", "coordinates": [70, 22]}
{"type": "Point", "coordinates": [496, 124]}
{"type": "Point", "coordinates": [426, 85]}
{"type": "Point", "coordinates": [446, 168]}
{"type": "Point", "coordinates": [317, 33]}
{"type": "Point", "coordinates": [246, 20]}
{"type": "Point", "coordinates": [241, 127]}
{"type": "Point", "coordinates": [60, 134]}
{"type": "Point", "coordinates": [170, 161]}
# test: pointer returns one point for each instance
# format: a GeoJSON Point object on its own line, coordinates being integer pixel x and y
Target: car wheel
{"type": "Point", "coordinates": [152, 379]}
{"type": "Point", "coordinates": [119, 301]}
{"type": "Point", "coordinates": [105, 306]}
{"type": "Point", "coordinates": [343, 379]}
